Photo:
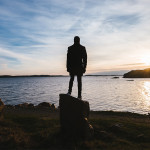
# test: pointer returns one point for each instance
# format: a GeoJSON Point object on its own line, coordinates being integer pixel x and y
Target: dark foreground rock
{"type": "Point", "coordinates": [74, 114]}
{"type": "Point", "coordinates": [1, 108]}
{"type": "Point", "coordinates": [44, 105]}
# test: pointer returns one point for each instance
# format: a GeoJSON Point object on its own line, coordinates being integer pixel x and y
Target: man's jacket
{"type": "Point", "coordinates": [76, 59]}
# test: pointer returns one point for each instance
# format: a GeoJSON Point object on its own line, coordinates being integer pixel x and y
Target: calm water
{"type": "Point", "coordinates": [103, 93]}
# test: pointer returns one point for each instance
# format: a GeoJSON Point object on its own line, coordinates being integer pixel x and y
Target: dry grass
{"type": "Point", "coordinates": [40, 129]}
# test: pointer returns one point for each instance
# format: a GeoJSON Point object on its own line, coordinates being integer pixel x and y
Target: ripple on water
{"type": "Point", "coordinates": [103, 93]}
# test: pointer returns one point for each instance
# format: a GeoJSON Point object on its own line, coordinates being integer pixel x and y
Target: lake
{"type": "Point", "coordinates": [102, 92]}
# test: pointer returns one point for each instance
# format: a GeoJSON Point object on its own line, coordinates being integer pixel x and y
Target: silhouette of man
{"type": "Point", "coordinates": [76, 64]}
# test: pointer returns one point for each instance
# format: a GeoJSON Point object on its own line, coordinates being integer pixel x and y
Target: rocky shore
{"type": "Point", "coordinates": [26, 126]}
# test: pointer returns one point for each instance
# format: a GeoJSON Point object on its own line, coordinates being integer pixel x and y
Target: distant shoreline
{"type": "Point", "coordinates": [104, 75]}
{"type": "Point", "coordinates": [11, 76]}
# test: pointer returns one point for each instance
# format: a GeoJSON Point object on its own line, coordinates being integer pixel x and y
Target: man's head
{"type": "Point", "coordinates": [76, 40]}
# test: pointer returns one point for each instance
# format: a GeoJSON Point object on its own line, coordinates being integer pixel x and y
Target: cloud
{"type": "Point", "coordinates": [37, 33]}
{"type": "Point", "coordinates": [135, 64]}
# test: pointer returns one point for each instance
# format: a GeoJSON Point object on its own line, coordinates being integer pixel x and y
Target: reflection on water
{"type": "Point", "coordinates": [146, 92]}
{"type": "Point", "coordinates": [103, 93]}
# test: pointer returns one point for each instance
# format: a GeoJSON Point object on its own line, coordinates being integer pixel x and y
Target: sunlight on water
{"type": "Point", "coordinates": [146, 92]}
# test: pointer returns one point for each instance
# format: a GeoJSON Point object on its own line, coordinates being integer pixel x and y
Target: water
{"type": "Point", "coordinates": [103, 93]}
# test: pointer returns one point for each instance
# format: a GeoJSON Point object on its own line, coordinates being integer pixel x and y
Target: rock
{"type": "Point", "coordinates": [53, 106]}
{"type": "Point", "coordinates": [30, 105]}
{"type": "Point", "coordinates": [115, 78]}
{"type": "Point", "coordinates": [10, 106]}
{"type": "Point", "coordinates": [24, 105]}
{"type": "Point", "coordinates": [44, 105]}
{"type": "Point", "coordinates": [74, 114]}
{"type": "Point", "coordinates": [1, 108]}
{"type": "Point", "coordinates": [142, 138]}
{"type": "Point", "coordinates": [116, 127]}
{"type": "Point", "coordinates": [18, 106]}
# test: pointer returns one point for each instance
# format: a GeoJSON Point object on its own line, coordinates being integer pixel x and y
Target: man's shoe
{"type": "Point", "coordinates": [80, 97]}
{"type": "Point", "coordinates": [68, 93]}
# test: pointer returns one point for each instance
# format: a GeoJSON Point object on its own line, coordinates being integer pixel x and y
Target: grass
{"type": "Point", "coordinates": [28, 129]}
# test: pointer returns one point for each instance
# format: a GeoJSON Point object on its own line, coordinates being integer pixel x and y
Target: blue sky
{"type": "Point", "coordinates": [35, 34]}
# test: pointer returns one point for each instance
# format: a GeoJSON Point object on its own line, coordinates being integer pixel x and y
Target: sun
{"type": "Point", "coordinates": [145, 60]}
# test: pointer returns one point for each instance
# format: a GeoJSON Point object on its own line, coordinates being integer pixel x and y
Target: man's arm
{"type": "Point", "coordinates": [84, 58]}
{"type": "Point", "coordinates": [68, 61]}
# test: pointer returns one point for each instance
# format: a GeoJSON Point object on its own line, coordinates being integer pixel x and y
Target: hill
{"type": "Point", "coordinates": [138, 74]}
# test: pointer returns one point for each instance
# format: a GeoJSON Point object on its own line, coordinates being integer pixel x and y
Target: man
{"type": "Point", "coordinates": [76, 64]}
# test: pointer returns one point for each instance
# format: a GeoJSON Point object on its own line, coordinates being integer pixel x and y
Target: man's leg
{"type": "Point", "coordinates": [70, 83]}
{"type": "Point", "coordinates": [79, 78]}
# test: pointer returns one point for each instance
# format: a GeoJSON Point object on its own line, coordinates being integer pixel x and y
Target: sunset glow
{"type": "Point", "coordinates": [34, 35]}
{"type": "Point", "coordinates": [146, 60]}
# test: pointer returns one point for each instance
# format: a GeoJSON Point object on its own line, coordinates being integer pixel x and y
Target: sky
{"type": "Point", "coordinates": [35, 35]}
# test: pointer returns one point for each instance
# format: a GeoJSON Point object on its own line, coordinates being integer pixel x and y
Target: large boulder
{"type": "Point", "coordinates": [1, 108]}
{"type": "Point", "coordinates": [74, 114]}
{"type": "Point", "coordinates": [44, 105]}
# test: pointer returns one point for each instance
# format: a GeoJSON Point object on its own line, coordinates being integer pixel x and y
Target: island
{"type": "Point", "coordinates": [138, 74]}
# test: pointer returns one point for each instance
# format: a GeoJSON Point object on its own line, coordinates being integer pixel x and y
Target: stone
{"type": "Point", "coordinates": [18, 106]}
{"type": "Point", "coordinates": [44, 105]}
{"type": "Point", "coordinates": [53, 106]}
{"type": "Point", "coordinates": [115, 78]}
{"type": "Point", "coordinates": [27, 105]}
{"type": "Point", "coordinates": [1, 108]}
{"type": "Point", "coordinates": [142, 138]}
{"type": "Point", "coordinates": [30, 105]}
{"type": "Point", "coordinates": [117, 127]}
{"type": "Point", "coordinates": [10, 106]}
{"type": "Point", "coordinates": [129, 80]}
{"type": "Point", "coordinates": [74, 114]}
{"type": "Point", "coordinates": [24, 105]}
